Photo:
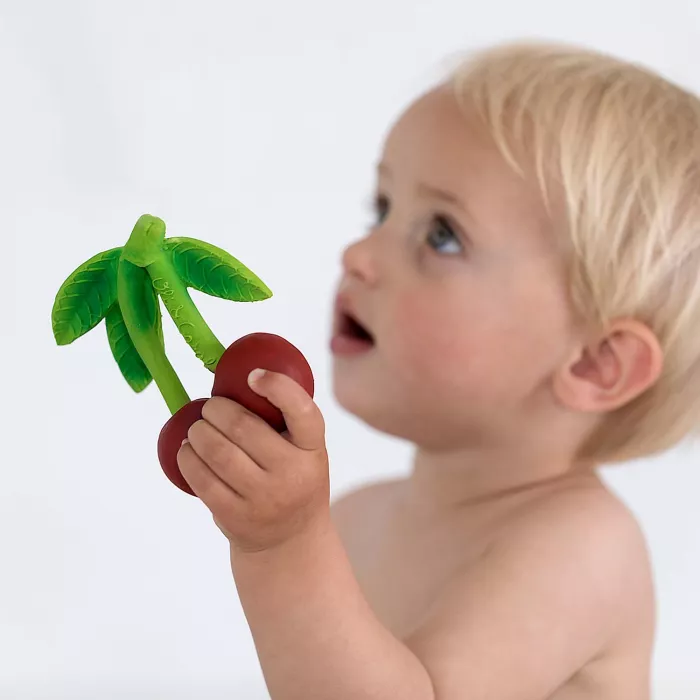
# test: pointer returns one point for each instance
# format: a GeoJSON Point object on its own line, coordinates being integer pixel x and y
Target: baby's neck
{"type": "Point", "coordinates": [448, 481]}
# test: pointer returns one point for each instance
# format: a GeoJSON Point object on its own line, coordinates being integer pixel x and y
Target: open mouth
{"type": "Point", "coordinates": [350, 336]}
{"type": "Point", "coordinates": [350, 327]}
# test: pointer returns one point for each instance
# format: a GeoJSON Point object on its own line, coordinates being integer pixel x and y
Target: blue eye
{"type": "Point", "coordinates": [442, 237]}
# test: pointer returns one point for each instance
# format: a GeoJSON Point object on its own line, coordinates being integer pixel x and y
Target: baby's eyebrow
{"type": "Point", "coordinates": [442, 195]}
{"type": "Point", "coordinates": [428, 190]}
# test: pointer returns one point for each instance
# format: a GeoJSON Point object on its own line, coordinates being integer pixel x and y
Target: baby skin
{"type": "Point", "coordinates": [501, 567]}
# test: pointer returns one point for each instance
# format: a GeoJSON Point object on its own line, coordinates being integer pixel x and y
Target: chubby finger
{"type": "Point", "coordinates": [250, 433]}
{"type": "Point", "coordinates": [227, 460]}
{"type": "Point", "coordinates": [304, 420]}
{"type": "Point", "coordinates": [207, 486]}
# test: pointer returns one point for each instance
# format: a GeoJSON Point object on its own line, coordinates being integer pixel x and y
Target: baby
{"type": "Point", "coordinates": [524, 309]}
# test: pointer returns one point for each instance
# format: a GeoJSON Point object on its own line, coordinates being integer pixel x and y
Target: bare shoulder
{"type": "Point", "coordinates": [348, 503]}
{"type": "Point", "coordinates": [589, 518]}
{"type": "Point", "coordinates": [586, 501]}
{"type": "Point", "coordinates": [358, 512]}
{"type": "Point", "coordinates": [565, 579]}
{"type": "Point", "coordinates": [606, 544]}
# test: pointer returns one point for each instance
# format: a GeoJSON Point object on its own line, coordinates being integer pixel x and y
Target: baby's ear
{"type": "Point", "coordinates": [612, 370]}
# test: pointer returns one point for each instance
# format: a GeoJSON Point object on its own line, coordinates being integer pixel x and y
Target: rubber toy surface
{"type": "Point", "coordinates": [123, 286]}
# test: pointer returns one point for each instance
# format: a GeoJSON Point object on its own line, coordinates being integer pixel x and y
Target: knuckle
{"type": "Point", "coordinates": [195, 430]}
{"type": "Point", "coordinates": [210, 446]}
{"type": "Point", "coordinates": [214, 406]}
{"type": "Point", "coordinates": [219, 452]}
{"type": "Point", "coordinates": [307, 406]}
{"type": "Point", "coordinates": [185, 461]}
{"type": "Point", "coordinates": [238, 423]}
{"type": "Point", "coordinates": [313, 414]}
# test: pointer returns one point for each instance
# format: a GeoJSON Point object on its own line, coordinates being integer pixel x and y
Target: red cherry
{"type": "Point", "coordinates": [170, 441]}
{"type": "Point", "coordinates": [267, 351]}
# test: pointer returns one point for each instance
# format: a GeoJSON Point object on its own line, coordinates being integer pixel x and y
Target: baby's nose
{"type": "Point", "coordinates": [359, 261]}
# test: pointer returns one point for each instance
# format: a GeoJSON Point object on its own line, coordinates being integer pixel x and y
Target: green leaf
{"type": "Point", "coordinates": [85, 297]}
{"type": "Point", "coordinates": [124, 352]}
{"type": "Point", "coordinates": [213, 271]}
{"type": "Point", "coordinates": [127, 357]}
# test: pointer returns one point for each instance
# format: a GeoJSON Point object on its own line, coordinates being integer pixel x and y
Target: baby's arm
{"type": "Point", "coordinates": [315, 634]}
{"type": "Point", "coordinates": [540, 604]}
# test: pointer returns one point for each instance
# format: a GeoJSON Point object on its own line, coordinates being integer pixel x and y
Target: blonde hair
{"type": "Point", "coordinates": [619, 146]}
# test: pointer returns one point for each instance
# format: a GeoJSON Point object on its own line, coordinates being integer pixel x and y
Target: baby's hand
{"type": "Point", "coordinates": [262, 487]}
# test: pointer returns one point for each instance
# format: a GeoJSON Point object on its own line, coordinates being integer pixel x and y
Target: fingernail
{"type": "Point", "coordinates": [184, 442]}
{"type": "Point", "coordinates": [255, 376]}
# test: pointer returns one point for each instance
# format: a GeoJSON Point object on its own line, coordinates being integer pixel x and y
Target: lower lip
{"type": "Point", "coordinates": [347, 345]}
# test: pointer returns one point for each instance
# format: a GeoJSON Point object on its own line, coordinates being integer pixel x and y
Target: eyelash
{"type": "Point", "coordinates": [380, 206]}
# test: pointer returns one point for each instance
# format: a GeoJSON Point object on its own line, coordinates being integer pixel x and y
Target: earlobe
{"type": "Point", "coordinates": [610, 371]}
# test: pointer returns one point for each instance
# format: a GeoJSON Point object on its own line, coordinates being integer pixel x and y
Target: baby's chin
{"type": "Point", "coordinates": [369, 406]}
{"type": "Point", "coordinates": [398, 418]}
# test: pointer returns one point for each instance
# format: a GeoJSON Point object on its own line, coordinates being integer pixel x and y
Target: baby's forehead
{"type": "Point", "coordinates": [439, 144]}
{"type": "Point", "coordinates": [438, 135]}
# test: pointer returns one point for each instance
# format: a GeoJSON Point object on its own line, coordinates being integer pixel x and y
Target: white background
{"type": "Point", "coordinates": [255, 126]}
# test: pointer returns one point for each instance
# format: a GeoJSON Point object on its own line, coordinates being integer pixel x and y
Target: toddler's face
{"type": "Point", "coordinates": [459, 284]}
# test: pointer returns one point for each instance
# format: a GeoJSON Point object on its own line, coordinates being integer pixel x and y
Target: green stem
{"type": "Point", "coordinates": [183, 311]}
{"type": "Point", "coordinates": [131, 281]}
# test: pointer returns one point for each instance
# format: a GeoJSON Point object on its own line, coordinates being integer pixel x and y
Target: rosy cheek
{"type": "Point", "coordinates": [429, 344]}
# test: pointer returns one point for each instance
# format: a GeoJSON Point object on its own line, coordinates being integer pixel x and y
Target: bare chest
{"type": "Point", "coordinates": [402, 564]}
{"type": "Point", "coordinates": [400, 582]}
